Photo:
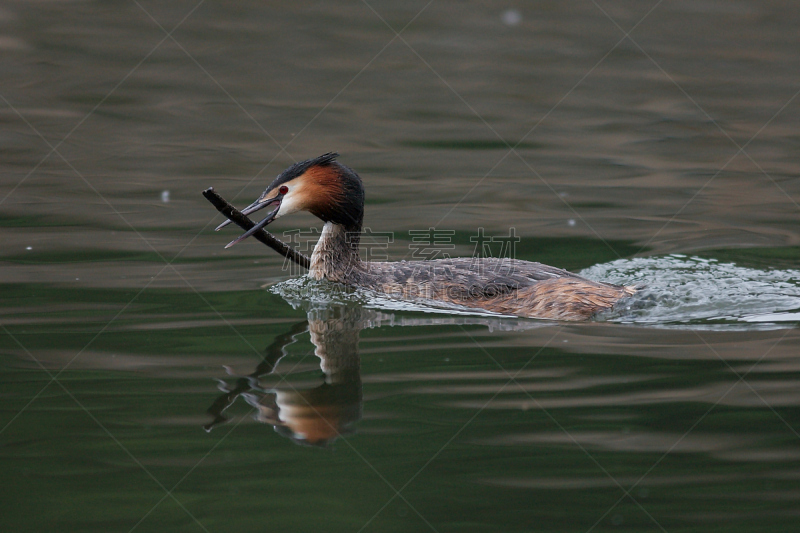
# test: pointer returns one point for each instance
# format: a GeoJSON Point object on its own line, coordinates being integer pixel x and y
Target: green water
{"type": "Point", "coordinates": [152, 381]}
{"type": "Point", "coordinates": [588, 415]}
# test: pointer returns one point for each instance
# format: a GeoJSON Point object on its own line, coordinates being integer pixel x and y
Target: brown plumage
{"type": "Point", "coordinates": [334, 193]}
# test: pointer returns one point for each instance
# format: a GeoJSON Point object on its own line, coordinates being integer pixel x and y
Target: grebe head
{"type": "Point", "coordinates": [322, 186]}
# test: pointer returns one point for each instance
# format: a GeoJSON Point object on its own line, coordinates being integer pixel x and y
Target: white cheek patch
{"type": "Point", "coordinates": [290, 204]}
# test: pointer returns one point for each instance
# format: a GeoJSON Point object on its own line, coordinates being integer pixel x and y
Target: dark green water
{"type": "Point", "coordinates": [152, 381]}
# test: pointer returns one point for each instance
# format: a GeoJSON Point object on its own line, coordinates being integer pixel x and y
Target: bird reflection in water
{"type": "Point", "coordinates": [313, 416]}
{"type": "Point", "coordinates": [319, 415]}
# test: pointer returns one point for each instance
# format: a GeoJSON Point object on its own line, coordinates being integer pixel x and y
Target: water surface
{"type": "Point", "coordinates": [153, 381]}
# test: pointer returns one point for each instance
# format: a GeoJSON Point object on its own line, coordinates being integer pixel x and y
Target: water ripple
{"type": "Point", "coordinates": [702, 293]}
{"type": "Point", "coordinates": [678, 291]}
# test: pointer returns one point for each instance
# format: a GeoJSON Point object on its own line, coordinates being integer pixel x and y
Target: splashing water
{"type": "Point", "coordinates": [303, 290]}
{"type": "Point", "coordinates": [702, 293]}
{"type": "Point", "coordinates": [678, 291]}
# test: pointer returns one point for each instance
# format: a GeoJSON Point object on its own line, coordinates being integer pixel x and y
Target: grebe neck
{"type": "Point", "coordinates": [335, 256]}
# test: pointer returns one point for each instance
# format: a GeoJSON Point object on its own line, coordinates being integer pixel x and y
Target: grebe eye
{"type": "Point", "coordinates": [283, 190]}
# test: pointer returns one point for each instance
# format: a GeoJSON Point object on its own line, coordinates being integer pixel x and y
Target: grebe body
{"type": "Point", "coordinates": [335, 194]}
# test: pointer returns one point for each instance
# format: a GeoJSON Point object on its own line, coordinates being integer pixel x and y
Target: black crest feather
{"type": "Point", "coordinates": [298, 168]}
{"type": "Point", "coordinates": [348, 209]}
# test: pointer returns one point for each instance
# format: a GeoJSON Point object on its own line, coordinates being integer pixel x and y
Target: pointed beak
{"type": "Point", "coordinates": [252, 208]}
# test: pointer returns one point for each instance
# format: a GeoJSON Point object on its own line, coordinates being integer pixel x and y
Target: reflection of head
{"type": "Point", "coordinates": [318, 416]}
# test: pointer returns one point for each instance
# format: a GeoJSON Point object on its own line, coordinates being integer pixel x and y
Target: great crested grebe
{"type": "Point", "coordinates": [334, 193]}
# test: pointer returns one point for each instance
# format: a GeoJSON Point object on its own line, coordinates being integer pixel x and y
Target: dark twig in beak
{"type": "Point", "coordinates": [263, 236]}
{"type": "Point", "coordinates": [259, 204]}
{"type": "Point", "coordinates": [252, 208]}
{"type": "Point", "coordinates": [269, 218]}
